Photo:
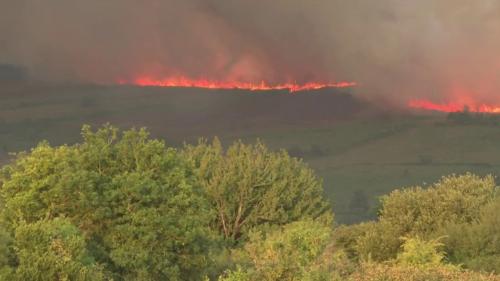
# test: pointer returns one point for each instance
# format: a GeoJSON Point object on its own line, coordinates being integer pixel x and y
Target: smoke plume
{"type": "Point", "coordinates": [443, 50]}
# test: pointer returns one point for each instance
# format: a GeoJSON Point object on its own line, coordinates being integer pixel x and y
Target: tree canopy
{"type": "Point", "coordinates": [132, 200]}
{"type": "Point", "coordinates": [248, 186]}
{"type": "Point", "coordinates": [122, 206]}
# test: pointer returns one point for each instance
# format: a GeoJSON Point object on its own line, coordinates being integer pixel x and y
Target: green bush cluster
{"type": "Point", "coordinates": [458, 215]}
{"type": "Point", "coordinates": [123, 206]}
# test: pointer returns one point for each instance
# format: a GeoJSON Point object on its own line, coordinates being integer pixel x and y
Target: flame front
{"type": "Point", "coordinates": [453, 107]}
{"type": "Point", "coordinates": [212, 84]}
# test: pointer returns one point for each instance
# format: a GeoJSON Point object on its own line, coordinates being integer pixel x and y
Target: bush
{"type": "Point", "coordinates": [423, 212]}
{"type": "Point", "coordinates": [418, 252]}
{"type": "Point", "coordinates": [476, 245]}
{"type": "Point", "coordinates": [418, 211]}
{"type": "Point", "coordinates": [297, 251]}
{"type": "Point", "coordinates": [379, 241]}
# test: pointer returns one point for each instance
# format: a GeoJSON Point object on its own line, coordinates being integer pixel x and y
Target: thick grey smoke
{"type": "Point", "coordinates": [438, 49]}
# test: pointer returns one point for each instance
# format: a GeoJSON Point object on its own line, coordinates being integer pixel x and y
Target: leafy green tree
{"type": "Point", "coordinates": [134, 200]}
{"type": "Point", "coordinates": [249, 186]}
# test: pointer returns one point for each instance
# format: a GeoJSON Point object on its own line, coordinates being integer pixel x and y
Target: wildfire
{"type": "Point", "coordinates": [453, 107]}
{"type": "Point", "coordinates": [212, 84]}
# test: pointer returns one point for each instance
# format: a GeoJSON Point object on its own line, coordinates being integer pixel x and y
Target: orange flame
{"type": "Point", "coordinates": [453, 107]}
{"type": "Point", "coordinates": [212, 84]}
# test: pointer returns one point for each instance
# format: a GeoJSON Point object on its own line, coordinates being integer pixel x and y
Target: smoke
{"type": "Point", "coordinates": [441, 50]}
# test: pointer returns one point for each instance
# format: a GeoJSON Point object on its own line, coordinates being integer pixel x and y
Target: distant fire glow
{"type": "Point", "coordinates": [453, 107]}
{"type": "Point", "coordinates": [212, 84]}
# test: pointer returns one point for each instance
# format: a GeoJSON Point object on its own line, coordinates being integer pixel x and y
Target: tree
{"type": "Point", "coordinates": [132, 199]}
{"type": "Point", "coordinates": [249, 186]}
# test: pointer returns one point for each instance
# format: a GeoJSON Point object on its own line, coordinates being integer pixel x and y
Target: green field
{"type": "Point", "coordinates": [359, 151]}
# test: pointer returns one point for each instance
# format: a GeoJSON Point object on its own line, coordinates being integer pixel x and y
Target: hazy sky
{"type": "Point", "coordinates": [439, 49]}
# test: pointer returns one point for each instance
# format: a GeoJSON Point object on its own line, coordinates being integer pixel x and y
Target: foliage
{"type": "Point", "coordinates": [379, 241]}
{"type": "Point", "coordinates": [120, 206]}
{"type": "Point", "coordinates": [5, 255]}
{"type": "Point", "coordinates": [248, 186]}
{"type": "Point", "coordinates": [476, 245]}
{"type": "Point", "coordinates": [418, 252]}
{"type": "Point", "coordinates": [133, 200]}
{"type": "Point", "coordinates": [422, 212]}
{"type": "Point", "coordinates": [418, 211]}
{"type": "Point", "coordinates": [53, 250]}
{"type": "Point", "coordinates": [236, 275]}
{"type": "Point", "coordinates": [384, 272]}
{"type": "Point", "coordinates": [346, 237]}
{"type": "Point", "coordinates": [368, 241]}
{"type": "Point", "coordinates": [297, 251]}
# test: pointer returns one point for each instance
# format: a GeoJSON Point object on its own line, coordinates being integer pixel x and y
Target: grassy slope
{"type": "Point", "coordinates": [354, 152]}
{"type": "Point", "coordinates": [375, 157]}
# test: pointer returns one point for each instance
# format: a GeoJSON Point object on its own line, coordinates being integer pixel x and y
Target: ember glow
{"type": "Point", "coordinates": [453, 107]}
{"type": "Point", "coordinates": [184, 82]}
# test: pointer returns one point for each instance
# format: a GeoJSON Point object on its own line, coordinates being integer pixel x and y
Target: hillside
{"type": "Point", "coordinates": [359, 151]}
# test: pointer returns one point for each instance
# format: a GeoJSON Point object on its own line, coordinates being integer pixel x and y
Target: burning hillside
{"type": "Point", "coordinates": [184, 82]}
{"type": "Point", "coordinates": [440, 55]}
{"type": "Point", "coordinates": [454, 106]}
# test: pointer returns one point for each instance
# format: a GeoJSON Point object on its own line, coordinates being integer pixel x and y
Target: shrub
{"type": "Point", "coordinates": [297, 251]}
{"type": "Point", "coordinates": [418, 252]}
{"type": "Point", "coordinates": [418, 211]}
{"type": "Point", "coordinates": [476, 245]}
{"type": "Point", "coordinates": [423, 212]}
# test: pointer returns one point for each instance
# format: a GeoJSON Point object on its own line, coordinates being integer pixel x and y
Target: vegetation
{"type": "Point", "coordinates": [476, 245]}
{"type": "Point", "coordinates": [130, 202]}
{"type": "Point", "coordinates": [454, 220]}
{"type": "Point", "coordinates": [250, 187]}
{"type": "Point", "coordinates": [383, 272]}
{"type": "Point", "coordinates": [295, 251]}
{"type": "Point", "coordinates": [466, 117]}
{"type": "Point", "coordinates": [352, 148]}
{"type": "Point", "coordinates": [123, 206]}
{"type": "Point", "coordinates": [419, 212]}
